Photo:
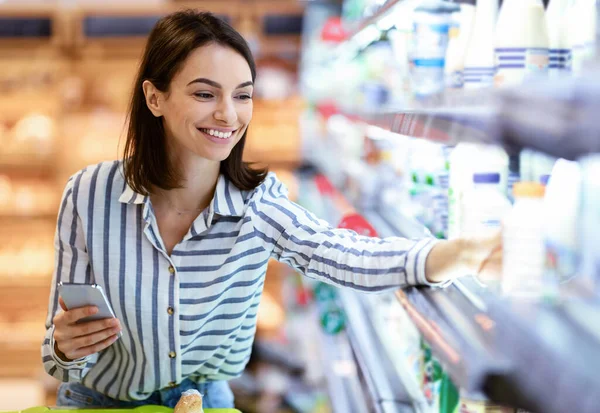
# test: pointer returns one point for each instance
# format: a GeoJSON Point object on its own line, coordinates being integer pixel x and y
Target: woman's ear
{"type": "Point", "coordinates": [153, 98]}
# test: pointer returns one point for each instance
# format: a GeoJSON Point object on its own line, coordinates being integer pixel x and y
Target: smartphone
{"type": "Point", "coordinates": [81, 295]}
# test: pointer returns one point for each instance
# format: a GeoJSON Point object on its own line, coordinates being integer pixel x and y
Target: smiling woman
{"type": "Point", "coordinates": [184, 91]}
{"type": "Point", "coordinates": [179, 235]}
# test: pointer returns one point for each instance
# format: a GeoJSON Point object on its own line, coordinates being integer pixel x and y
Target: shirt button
{"type": "Point", "coordinates": [172, 269]}
{"type": "Point", "coordinates": [172, 355]}
{"type": "Point", "coordinates": [172, 384]}
{"type": "Point", "coordinates": [170, 310]}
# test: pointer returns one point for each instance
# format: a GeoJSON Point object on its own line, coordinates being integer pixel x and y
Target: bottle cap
{"type": "Point", "coordinates": [528, 190]}
{"type": "Point", "coordinates": [486, 178]}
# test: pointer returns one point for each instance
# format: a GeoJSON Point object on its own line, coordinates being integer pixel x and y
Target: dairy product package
{"type": "Point", "coordinates": [521, 42]}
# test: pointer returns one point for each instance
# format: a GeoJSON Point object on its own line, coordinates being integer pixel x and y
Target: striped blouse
{"type": "Point", "coordinates": [192, 314]}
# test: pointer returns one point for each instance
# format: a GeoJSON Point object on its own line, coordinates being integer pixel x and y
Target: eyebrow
{"type": "Point", "coordinates": [218, 85]}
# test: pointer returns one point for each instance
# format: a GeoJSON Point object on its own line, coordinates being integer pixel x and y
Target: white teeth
{"type": "Point", "coordinates": [222, 135]}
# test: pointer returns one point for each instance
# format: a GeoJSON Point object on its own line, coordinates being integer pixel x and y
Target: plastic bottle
{"type": "Point", "coordinates": [480, 60]}
{"type": "Point", "coordinates": [523, 243]}
{"type": "Point", "coordinates": [460, 33]}
{"type": "Point", "coordinates": [521, 42]}
{"type": "Point", "coordinates": [589, 222]}
{"type": "Point", "coordinates": [465, 160]}
{"type": "Point", "coordinates": [432, 20]}
{"type": "Point", "coordinates": [558, 37]}
{"type": "Point", "coordinates": [483, 207]}
{"type": "Point", "coordinates": [582, 33]}
{"type": "Point", "coordinates": [561, 205]}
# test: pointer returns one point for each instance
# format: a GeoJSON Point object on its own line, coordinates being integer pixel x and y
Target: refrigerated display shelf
{"type": "Point", "coordinates": [385, 387]}
{"type": "Point", "coordinates": [535, 356]}
{"type": "Point", "coordinates": [508, 349]}
{"type": "Point", "coordinates": [374, 18]}
{"type": "Point", "coordinates": [559, 118]}
{"type": "Point", "coordinates": [344, 386]}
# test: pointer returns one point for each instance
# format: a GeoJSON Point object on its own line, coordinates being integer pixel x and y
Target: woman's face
{"type": "Point", "coordinates": [209, 103]}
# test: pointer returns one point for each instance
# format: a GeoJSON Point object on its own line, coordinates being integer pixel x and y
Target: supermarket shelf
{"type": "Point", "coordinates": [27, 164]}
{"type": "Point", "coordinates": [377, 16]}
{"type": "Point", "coordinates": [452, 324]}
{"type": "Point", "coordinates": [345, 389]}
{"type": "Point", "coordinates": [28, 281]}
{"type": "Point", "coordinates": [385, 387]}
{"type": "Point", "coordinates": [443, 125]}
{"type": "Point", "coordinates": [558, 118]}
{"type": "Point", "coordinates": [524, 354]}
{"type": "Point", "coordinates": [508, 349]}
{"type": "Point", "coordinates": [29, 216]}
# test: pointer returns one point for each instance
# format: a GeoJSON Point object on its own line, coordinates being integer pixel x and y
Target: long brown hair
{"type": "Point", "coordinates": [172, 39]}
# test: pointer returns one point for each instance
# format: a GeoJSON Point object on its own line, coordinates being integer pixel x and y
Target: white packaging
{"type": "Point", "coordinates": [558, 37]}
{"type": "Point", "coordinates": [523, 243]}
{"type": "Point", "coordinates": [480, 61]}
{"type": "Point", "coordinates": [460, 33]}
{"type": "Point", "coordinates": [465, 160]}
{"type": "Point", "coordinates": [521, 42]}
{"type": "Point", "coordinates": [582, 32]}
{"type": "Point", "coordinates": [561, 206]}
{"type": "Point", "coordinates": [589, 222]}
{"type": "Point", "coordinates": [483, 207]}
{"type": "Point", "coordinates": [432, 20]}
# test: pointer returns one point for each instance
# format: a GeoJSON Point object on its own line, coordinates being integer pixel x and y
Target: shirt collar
{"type": "Point", "coordinates": [227, 201]}
{"type": "Point", "coordinates": [129, 196]}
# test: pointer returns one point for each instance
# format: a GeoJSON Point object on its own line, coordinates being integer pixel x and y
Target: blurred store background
{"type": "Point", "coordinates": [346, 91]}
{"type": "Point", "coordinates": [66, 74]}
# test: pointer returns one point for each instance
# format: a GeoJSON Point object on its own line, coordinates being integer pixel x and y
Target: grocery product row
{"type": "Point", "coordinates": [412, 51]}
{"type": "Point", "coordinates": [496, 350]}
{"type": "Point", "coordinates": [398, 130]}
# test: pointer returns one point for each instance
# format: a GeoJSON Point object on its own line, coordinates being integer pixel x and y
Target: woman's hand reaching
{"type": "Point", "coordinates": [466, 256]}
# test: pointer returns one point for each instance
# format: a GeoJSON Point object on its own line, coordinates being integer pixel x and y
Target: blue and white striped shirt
{"type": "Point", "coordinates": [193, 314]}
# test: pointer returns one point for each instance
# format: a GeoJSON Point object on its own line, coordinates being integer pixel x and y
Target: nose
{"type": "Point", "coordinates": [225, 111]}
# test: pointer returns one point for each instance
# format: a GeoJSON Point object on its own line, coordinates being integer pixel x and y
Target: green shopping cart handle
{"type": "Point", "coordinates": [141, 409]}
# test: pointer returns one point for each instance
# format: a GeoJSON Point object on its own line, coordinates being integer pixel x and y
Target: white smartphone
{"type": "Point", "coordinates": [81, 295]}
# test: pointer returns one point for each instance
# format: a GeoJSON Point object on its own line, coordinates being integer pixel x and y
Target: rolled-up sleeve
{"type": "Point", "coordinates": [336, 256]}
{"type": "Point", "coordinates": [71, 265]}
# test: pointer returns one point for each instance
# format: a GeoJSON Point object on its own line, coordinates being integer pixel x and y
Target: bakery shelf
{"type": "Point", "coordinates": [28, 165]}
{"type": "Point", "coordinates": [46, 215]}
{"type": "Point", "coordinates": [28, 281]}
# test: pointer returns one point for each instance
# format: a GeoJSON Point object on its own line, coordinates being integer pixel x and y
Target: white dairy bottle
{"type": "Point", "coordinates": [465, 160]}
{"type": "Point", "coordinates": [558, 37]}
{"type": "Point", "coordinates": [561, 208]}
{"type": "Point", "coordinates": [483, 206]}
{"type": "Point", "coordinates": [582, 32]}
{"type": "Point", "coordinates": [521, 42]}
{"type": "Point", "coordinates": [589, 222]}
{"type": "Point", "coordinates": [523, 243]}
{"type": "Point", "coordinates": [460, 33]}
{"type": "Point", "coordinates": [480, 65]}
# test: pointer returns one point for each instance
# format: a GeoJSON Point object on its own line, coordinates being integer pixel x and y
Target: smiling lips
{"type": "Point", "coordinates": [216, 133]}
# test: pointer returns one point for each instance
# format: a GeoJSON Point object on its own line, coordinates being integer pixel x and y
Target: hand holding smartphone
{"type": "Point", "coordinates": [87, 325]}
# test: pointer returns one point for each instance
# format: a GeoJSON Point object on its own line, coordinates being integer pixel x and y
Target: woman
{"type": "Point", "coordinates": [180, 233]}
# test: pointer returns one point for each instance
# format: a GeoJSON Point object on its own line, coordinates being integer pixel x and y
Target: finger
{"type": "Point", "coordinates": [76, 314]}
{"type": "Point", "coordinates": [62, 304]}
{"type": "Point", "coordinates": [90, 339]}
{"type": "Point", "coordinates": [91, 327]}
{"type": "Point", "coordinates": [86, 351]}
